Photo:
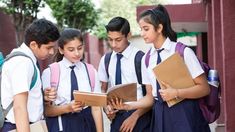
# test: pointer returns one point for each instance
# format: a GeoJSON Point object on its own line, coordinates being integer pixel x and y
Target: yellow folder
{"type": "Point", "coordinates": [173, 71]}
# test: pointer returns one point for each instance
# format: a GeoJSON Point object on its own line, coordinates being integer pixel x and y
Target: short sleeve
{"type": "Point", "coordinates": [192, 63]}
{"type": "Point", "coordinates": [102, 75]}
{"type": "Point", "coordinates": [46, 78]}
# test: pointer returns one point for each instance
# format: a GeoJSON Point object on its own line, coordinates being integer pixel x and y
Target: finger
{"type": "Point", "coordinates": [165, 85]}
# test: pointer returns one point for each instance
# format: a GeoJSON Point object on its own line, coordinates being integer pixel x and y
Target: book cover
{"type": "Point", "coordinates": [174, 71]}
{"type": "Point", "coordinates": [126, 92]}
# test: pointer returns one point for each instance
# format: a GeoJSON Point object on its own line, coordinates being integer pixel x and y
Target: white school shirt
{"type": "Point", "coordinates": [64, 87]}
{"type": "Point", "coordinates": [190, 60]}
{"type": "Point", "coordinates": [128, 73]}
{"type": "Point", "coordinates": [17, 74]}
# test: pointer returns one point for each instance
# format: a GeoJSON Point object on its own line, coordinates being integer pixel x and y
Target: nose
{"type": "Point", "coordinates": [142, 33]}
{"type": "Point", "coordinates": [51, 51]}
{"type": "Point", "coordinates": [113, 44]}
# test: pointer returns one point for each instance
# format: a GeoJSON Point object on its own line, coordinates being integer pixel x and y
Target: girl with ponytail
{"type": "Point", "coordinates": [185, 116]}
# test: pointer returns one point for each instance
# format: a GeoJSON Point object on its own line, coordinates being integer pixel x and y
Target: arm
{"type": "Point", "coordinates": [98, 118]}
{"type": "Point", "coordinates": [52, 110]}
{"type": "Point", "coordinates": [199, 90]}
{"type": "Point", "coordinates": [20, 112]}
{"type": "Point", "coordinates": [130, 122]}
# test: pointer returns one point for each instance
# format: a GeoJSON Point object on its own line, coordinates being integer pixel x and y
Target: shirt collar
{"type": "Point", "coordinates": [68, 63]}
{"type": "Point", "coordinates": [166, 45]}
{"type": "Point", "coordinates": [25, 49]}
{"type": "Point", "coordinates": [126, 53]}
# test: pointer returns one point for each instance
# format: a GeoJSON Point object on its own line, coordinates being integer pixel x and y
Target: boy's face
{"type": "Point", "coordinates": [117, 41]}
{"type": "Point", "coordinates": [45, 50]}
{"type": "Point", "coordinates": [73, 50]}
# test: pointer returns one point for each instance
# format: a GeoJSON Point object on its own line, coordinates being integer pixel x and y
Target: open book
{"type": "Point", "coordinates": [173, 71]}
{"type": "Point", "coordinates": [126, 92]}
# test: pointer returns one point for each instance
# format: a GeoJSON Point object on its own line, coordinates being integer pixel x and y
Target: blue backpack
{"type": "Point", "coordinates": [4, 112]}
{"type": "Point", "coordinates": [210, 104]}
{"type": "Point", "coordinates": [138, 58]}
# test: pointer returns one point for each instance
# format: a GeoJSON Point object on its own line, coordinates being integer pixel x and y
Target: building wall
{"type": "Point", "coordinates": [7, 34]}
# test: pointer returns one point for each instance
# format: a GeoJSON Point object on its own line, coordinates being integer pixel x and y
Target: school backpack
{"type": "Point", "coordinates": [138, 58]}
{"type": "Point", "coordinates": [55, 74]}
{"type": "Point", "coordinates": [4, 112]}
{"type": "Point", "coordinates": [210, 104]}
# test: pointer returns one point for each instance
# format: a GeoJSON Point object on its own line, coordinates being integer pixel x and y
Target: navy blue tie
{"type": "Point", "coordinates": [118, 78]}
{"type": "Point", "coordinates": [158, 86]}
{"type": "Point", "coordinates": [74, 83]}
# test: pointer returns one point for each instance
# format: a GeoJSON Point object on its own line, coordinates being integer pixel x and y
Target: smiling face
{"type": "Point", "coordinates": [73, 50]}
{"type": "Point", "coordinates": [117, 41]}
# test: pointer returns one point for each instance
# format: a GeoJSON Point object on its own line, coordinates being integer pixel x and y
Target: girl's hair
{"type": "Point", "coordinates": [67, 35]}
{"type": "Point", "coordinates": [159, 15]}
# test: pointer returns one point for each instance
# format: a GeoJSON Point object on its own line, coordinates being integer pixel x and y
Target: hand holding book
{"type": "Point", "coordinates": [126, 92]}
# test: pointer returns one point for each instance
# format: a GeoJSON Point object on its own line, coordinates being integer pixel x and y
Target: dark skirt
{"type": "Point", "coordinates": [73, 122]}
{"type": "Point", "coordinates": [142, 124]}
{"type": "Point", "coordinates": [8, 127]}
{"type": "Point", "coordinates": [185, 116]}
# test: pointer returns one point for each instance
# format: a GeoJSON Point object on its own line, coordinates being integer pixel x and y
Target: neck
{"type": "Point", "coordinates": [159, 42]}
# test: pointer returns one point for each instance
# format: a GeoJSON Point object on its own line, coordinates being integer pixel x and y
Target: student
{"type": "Point", "coordinates": [185, 116]}
{"type": "Point", "coordinates": [118, 30]}
{"type": "Point", "coordinates": [40, 39]}
{"type": "Point", "coordinates": [67, 115]}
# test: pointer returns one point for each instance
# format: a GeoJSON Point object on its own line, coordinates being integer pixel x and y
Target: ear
{"type": "Point", "coordinates": [129, 35]}
{"type": "Point", "coordinates": [33, 45]}
{"type": "Point", "coordinates": [61, 51]}
{"type": "Point", "coordinates": [159, 28]}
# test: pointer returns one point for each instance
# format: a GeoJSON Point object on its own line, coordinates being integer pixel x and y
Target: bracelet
{"type": "Point", "coordinates": [177, 94]}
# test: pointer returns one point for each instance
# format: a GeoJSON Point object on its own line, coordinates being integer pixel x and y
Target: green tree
{"type": "Point", "coordinates": [123, 8]}
{"type": "Point", "coordinates": [79, 14]}
{"type": "Point", "coordinates": [22, 13]}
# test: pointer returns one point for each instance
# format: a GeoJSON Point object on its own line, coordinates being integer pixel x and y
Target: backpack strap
{"type": "Point", "coordinates": [107, 58]}
{"type": "Point", "coordinates": [180, 48]}
{"type": "Point", "coordinates": [147, 57]}
{"type": "Point", "coordinates": [138, 57]}
{"type": "Point", "coordinates": [55, 74]}
{"type": "Point", "coordinates": [33, 81]}
{"type": "Point", "coordinates": [91, 75]}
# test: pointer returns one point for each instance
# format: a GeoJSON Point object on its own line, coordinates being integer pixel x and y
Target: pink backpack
{"type": "Point", "coordinates": [55, 74]}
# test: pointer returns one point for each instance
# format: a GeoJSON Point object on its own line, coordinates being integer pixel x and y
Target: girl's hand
{"type": "Point", "coordinates": [118, 104]}
{"type": "Point", "coordinates": [50, 94]}
{"type": "Point", "coordinates": [168, 93]}
{"type": "Point", "coordinates": [76, 106]}
{"type": "Point", "coordinates": [110, 112]}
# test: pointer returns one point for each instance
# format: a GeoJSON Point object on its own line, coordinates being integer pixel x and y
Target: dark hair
{"type": "Point", "coordinates": [118, 24]}
{"type": "Point", "coordinates": [67, 35]}
{"type": "Point", "coordinates": [159, 15]}
{"type": "Point", "coordinates": [41, 31]}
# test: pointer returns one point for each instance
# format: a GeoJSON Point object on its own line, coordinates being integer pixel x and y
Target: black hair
{"type": "Point", "coordinates": [159, 15]}
{"type": "Point", "coordinates": [41, 31]}
{"type": "Point", "coordinates": [118, 24]}
{"type": "Point", "coordinates": [67, 35]}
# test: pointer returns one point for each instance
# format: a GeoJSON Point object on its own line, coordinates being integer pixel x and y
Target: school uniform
{"type": "Point", "coordinates": [128, 75]}
{"type": "Point", "coordinates": [185, 116]}
{"type": "Point", "coordinates": [72, 122]}
{"type": "Point", "coordinates": [17, 74]}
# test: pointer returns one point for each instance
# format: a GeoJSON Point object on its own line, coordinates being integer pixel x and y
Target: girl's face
{"type": "Point", "coordinates": [148, 32]}
{"type": "Point", "coordinates": [73, 50]}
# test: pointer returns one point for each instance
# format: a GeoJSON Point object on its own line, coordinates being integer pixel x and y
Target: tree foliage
{"type": "Point", "coordinates": [22, 12]}
{"type": "Point", "coordinates": [79, 14]}
{"type": "Point", "coordinates": [123, 8]}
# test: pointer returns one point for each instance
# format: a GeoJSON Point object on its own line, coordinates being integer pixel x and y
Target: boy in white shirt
{"type": "Point", "coordinates": [17, 73]}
